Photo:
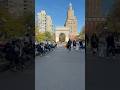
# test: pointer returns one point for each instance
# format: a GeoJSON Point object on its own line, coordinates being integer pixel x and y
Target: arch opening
{"type": "Point", "coordinates": [62, 37]}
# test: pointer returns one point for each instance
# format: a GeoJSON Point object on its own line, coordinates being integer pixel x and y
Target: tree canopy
{"type": "Point", "coordinates": [113, 20]}
{"type": "Point", "coordinates": [42, 36]}
{"type": "Point", "coordinates": [14, 27]}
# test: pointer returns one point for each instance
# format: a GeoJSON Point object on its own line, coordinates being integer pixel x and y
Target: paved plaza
{"type": "Point", "coordinates": [102, 73]}
{"type": "Point", "coordinates": [60, 70]}
{"type": "Point", "coordinates": [18, 80]}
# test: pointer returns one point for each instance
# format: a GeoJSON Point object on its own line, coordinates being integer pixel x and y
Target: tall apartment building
{"type": "Point", "coordinates": [42, 25]}
{"type": "Point", "coordinates": [49, 24]}
{"type": "Point", "coordinates": [96, 12]}
{"type": "Point", "coordinates": [44, 22]}
{"type": "Point", "coordinates": [18, 8]}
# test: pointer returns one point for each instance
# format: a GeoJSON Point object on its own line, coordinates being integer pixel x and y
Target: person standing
{"type": "Point", "coordinates": [80, 44]}
{"type": "Point", "coordinates": [69, 45]}
{"type": "Point", "coordinates": [110, 44]}
{"type": "Point", "coordinates": [74, 44]}
{"type": "Point", "coordinates": [86, 40]}
{"type": "Point", "coordinates": [94, 43]}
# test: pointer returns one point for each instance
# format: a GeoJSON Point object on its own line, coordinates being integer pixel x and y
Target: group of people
{"type": "Point", "coordinates": [108, 44]}
{"type": "Point", "coordinates": [17, 51]}
{"type": "Point", "coordinates": [75, 43]}
{"type": "Point", "coordinates": [44, 47]}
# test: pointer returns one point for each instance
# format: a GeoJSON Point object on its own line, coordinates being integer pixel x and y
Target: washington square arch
{"type": "Point", "coordinates": [69, 30]}
{"type": "Point", "coordinates": [62, 30]}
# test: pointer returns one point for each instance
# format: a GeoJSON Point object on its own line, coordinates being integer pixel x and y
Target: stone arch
{"type": "Point", "coordinates": [62, 30]}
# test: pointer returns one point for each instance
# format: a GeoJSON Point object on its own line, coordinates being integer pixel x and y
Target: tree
{"type": "Point", "coordinates": [10, 26]}
{"type": "Point", "coordinates": [28, 20]}
{"type": "Point", "coordinates": [48, 36]}
{"type": "Point", "coordinates": [113, 20]}
{"type": "Point", "coordinates": [82, 34]}
{"type": "Point", "coordinates": [40, 37]}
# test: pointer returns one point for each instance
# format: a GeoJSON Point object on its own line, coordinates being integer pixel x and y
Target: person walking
{"type": "Point", "coordinates": [80, 44]}
{"type": "Point", "coordinates": [86, 39]}
{"type": "Point", "coordinates": [74, 44]}
{"type": "Point", "coordinates": [110, 44]}
{"type": "Point", "coordinates": [94, 43]}
{"type": "Point", "coordinates": [9, 53]}
{"type": "Point", "coordinates": [69, 45]}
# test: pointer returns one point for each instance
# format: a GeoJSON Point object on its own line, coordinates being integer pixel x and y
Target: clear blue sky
{"type": "Point", "coordinates": [57, 9]}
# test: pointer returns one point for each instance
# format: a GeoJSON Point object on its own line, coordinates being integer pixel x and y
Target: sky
{"type": "Point", "coordinates": [57, 9]}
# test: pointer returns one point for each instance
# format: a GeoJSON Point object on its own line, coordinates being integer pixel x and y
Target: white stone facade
{"type": "Point", "coordinates": [49, 24]}
{"type": "Point", "coordinates": [60, 30]}
{"type": "Point", "coordinates": [42, 21]}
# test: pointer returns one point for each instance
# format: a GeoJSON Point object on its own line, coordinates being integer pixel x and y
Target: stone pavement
{"type": "Point", "coordinates": [60, 70]}
{"type": "Point", "coordinates": [18, 80]}
{"type": "Point", "coordinates": [102, 73]}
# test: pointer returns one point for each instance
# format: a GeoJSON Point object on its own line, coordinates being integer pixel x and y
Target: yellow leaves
{"type": "Point", "coordinates": [42, 36]}
{"type": "Point", "coordinates": [39, 37]}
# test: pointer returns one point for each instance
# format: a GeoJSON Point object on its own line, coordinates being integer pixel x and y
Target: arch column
{"type": "Point", "coordinates": [67, 36]}
{"type": "Point", "coordinates": [57, 33]}
{"type": "Point", "coordinates": [57, 37]}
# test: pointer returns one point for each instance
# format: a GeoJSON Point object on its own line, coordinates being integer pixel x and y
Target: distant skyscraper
{"type": "Point", "coordinates": [71, 21]}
